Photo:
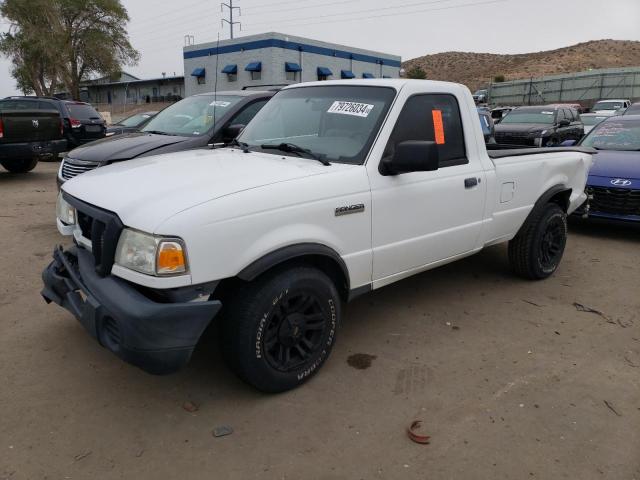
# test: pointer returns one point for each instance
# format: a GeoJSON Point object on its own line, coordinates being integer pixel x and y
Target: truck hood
{"type": "Point", "coordinates": [616, 164]}
{"type": "Point", "coordinates": [146, 191]}
{"type": "Point", "coordinates": [124, 147]}
{"type": "Point", "coordinates": [522, 127]}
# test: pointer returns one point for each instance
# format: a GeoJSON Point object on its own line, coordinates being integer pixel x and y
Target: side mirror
{"type": "Point", "coordinates": [568, 143]}
{"type": "Point", "coordinates": [412, 156]}
{"type": "Point", "coordinates": [564, 123]}
{"type": "Point", "coordinates": [232, 131]}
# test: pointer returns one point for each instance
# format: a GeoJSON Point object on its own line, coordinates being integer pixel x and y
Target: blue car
{"type": "Point", "coordinates": [613, 186]}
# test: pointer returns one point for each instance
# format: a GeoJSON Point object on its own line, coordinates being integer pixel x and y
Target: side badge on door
{"type": "Point", "coordinates": [346, 210]}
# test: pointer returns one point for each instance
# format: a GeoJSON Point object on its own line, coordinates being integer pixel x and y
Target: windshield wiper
{"type": "Point", "coordinates": [158, 132]}
{"type": "Point", "coordinates": [293, 148]}
{"type": "Point", "coordinates": [236, 143]}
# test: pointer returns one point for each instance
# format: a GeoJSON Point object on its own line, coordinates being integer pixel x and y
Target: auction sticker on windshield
{"type": "Point", "coordinates": [351, 108]}
{"type": "Point", "coordinates": [220, 103]}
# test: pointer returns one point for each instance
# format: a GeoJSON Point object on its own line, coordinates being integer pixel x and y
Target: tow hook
{"type": "Point", "coordinates": [587, 205]}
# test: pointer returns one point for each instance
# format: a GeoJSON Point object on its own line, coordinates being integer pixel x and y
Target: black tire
{"type": "Point", "coordinates": [535, 252]}
{"type": "Point", "coordinates": [20, 166]}
{"type": "Point", "coordinates": [279, 330]}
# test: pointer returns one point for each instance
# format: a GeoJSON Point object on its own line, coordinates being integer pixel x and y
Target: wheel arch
{"type": "Point", "coordinates": [558, 194]}
{"type": "Point", "coordinates": [315, 254]}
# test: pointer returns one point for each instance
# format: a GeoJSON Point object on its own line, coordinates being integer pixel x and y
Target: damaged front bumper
{"type": "Point", "coordinates": [157, 336]}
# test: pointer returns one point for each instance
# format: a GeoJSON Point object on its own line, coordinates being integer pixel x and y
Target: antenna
{"type": "Point", "coordinates": [215, 84]}
{"type": "Point", "coordinates": [230, 21]}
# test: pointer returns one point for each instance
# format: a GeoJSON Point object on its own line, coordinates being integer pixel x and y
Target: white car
{"type": "Point", "coordinates": [590, 120]}
{"type": "Point", "coordinates": [334, 189]}
{"type": "Point", "coordinates": [610, 107]}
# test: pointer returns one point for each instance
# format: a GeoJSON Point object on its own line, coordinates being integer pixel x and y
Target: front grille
{"type": "Point", "coordinates": [514, 138]}
{"type": "Point", "coordinates": [618, 201]}
{"type": "Point", "coordinates": [71, 169]}
{"type": "Point", "coordinates": [102, 228]}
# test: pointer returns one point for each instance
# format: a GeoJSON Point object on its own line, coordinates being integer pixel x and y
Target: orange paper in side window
{"type": "Point", "coordinates": [438, 127]}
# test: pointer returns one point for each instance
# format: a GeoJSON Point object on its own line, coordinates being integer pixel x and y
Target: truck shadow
{"type": "Point", "coordinates": [469, 277]}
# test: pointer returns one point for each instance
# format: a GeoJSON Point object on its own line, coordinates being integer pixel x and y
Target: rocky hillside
{"type": "Point", "coordinates": [476, 69]}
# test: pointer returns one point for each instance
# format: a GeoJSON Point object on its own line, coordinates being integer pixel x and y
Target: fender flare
{"type": "Point", "coordinates": [550, 193]}
{"type": "Point", "coordinates": [284, 254]}
{"type": "Point", "coordinates": [543, 200]}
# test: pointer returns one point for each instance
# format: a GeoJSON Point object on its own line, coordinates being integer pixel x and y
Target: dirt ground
{"type": "Point", "coordinates": [511, 380]}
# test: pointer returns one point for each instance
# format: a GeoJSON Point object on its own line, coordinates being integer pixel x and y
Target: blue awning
{"type": "Point", "coordinates": [324, 72]}
{"type": "Point", "coordinates": [368, 75]}
{"type": "Point", "coordinates": [230, 69]}
{"type": "Point", "coordinates": [254, 67]}
{"type": "Point", "coordinates": [292, 67]}
{"type": "Point", "coordinates": [198, 72]}
{"type": "Point", "coordinates": [347, 74]}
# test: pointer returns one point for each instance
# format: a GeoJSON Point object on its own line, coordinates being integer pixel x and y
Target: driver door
{"type": "Point", "coordinates": [420, 218]}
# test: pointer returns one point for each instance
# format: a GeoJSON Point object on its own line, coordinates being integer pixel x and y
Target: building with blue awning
{"type": "Point", "coordinates": [276, 59]}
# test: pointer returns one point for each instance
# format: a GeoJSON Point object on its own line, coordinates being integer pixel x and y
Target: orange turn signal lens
{"type": "Point", "coordinates": [171, 258]}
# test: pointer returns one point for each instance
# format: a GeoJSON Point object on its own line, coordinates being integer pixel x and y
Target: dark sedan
{"type": "Point", "coordinates": [193, 122]}
{"type": "Point", "coordinates": [544, 126]}
{"type": "Point", "coordinates": [130, 124]}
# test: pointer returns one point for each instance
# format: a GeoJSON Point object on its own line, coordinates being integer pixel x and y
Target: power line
{"type": "Point", "coordinates": [355, 12]}
{"type": "Point", "coordinates": [272, 4]}
{"type": "Point", "coordinates": [452, 7]}
{"type": "Point", "coordinates": [289, 9]}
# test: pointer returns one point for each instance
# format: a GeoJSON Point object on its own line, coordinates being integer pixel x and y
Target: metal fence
{"type": "Point", "coordinates": [583, 87]}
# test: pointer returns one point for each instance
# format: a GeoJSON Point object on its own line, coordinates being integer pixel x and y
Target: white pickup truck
{"type": "Point", "coordinates": [334, 189]}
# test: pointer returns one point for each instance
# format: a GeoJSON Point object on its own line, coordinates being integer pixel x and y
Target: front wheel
{"type": "Point", "coordinates": [535, 252]}
{"type": "Point", "coordinates": [20, 166]}
{"type": "Point", "coordinates": [279, 330]}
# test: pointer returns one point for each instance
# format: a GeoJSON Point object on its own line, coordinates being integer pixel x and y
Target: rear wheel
{"type": "Point", "coordinates": [20, 166]}
{"type": "Point", "coordinates": [535, 252]}
{"type": "Point", "coordinates": [278, 330]}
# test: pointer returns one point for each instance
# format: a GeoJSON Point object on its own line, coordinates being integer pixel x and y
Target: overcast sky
{"type": "Point", "coordinates": [409, 28]}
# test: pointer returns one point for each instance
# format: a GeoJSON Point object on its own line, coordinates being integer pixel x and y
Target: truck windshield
{"type": "Point", "coordinates": [530, 116]}
{"type": "Point", "coordinates": [337, 123]}
{"type": "Point", "coordinates": [192, 116]}
{"type": "Point", "coordinates": [614, 135]}
{"type": "Point", "coordinates": [607, 106]}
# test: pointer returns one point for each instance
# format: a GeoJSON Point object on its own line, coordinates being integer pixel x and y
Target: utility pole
{"type": "Point", "coordinates": [230, 21]}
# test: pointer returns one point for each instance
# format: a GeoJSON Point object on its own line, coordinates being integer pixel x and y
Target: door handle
{"type": "Point", "coordinates": [470, 182]}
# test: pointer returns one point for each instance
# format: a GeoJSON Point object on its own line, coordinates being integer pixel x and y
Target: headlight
{"type": "Point", "coordinates": [109, 134]}
{"type": "Point", "coordinates": [65, 212]}
{"type": "Point", "coordinates": [146, 253]}
{"type": "Point", "coordinates": [540, 133]}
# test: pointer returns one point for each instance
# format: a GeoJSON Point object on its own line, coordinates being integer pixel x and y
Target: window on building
{"type": "Point", "coordinates": [255, 69]}
{"type": "Point", "coordinates": [291, 70]}
{"type": "Point", "coordinates": [435, 118]}
{"type": "Point", "coordinates": [201, 80]}
{"type": "Point", "coordinates": [324, 73]}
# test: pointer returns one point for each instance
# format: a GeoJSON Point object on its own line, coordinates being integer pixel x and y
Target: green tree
{"type": "Point", "coordinates": [53, 42]}
{"type": "Point", "coordinates": [417, 72]}
{"type": "Point", "coordinates": [28, 46]}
